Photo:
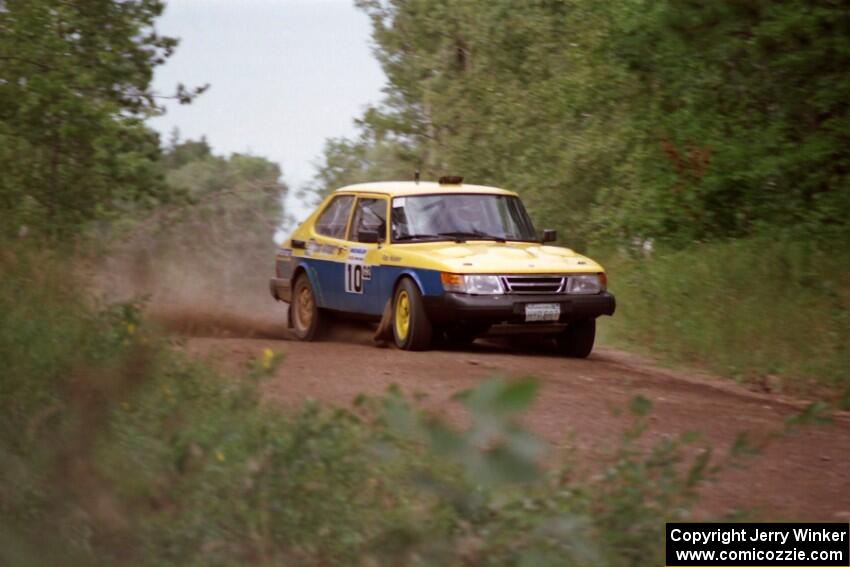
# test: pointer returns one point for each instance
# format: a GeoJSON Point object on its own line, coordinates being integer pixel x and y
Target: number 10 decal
{"type": "Point", "coordinates": [354, 278]}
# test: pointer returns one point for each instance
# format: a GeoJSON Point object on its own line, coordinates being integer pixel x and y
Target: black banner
{"type": "Point", "coordinates": [758, 544]}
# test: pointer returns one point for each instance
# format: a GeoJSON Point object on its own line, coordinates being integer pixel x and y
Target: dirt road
{"type": "Point", "coordinates": [804, 476]}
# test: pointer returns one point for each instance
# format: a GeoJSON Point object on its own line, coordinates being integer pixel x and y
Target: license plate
{"type": "Point", "coordinates": [542, 311]}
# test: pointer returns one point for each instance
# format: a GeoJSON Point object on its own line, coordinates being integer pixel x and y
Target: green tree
{"type": "Point", "coordinates": [505, 94]}
{"type": "Point", "coordinates": [665, 119]}
{"type": "Point", "coordinates": [75, 89]}
{"type": "Point", "coordinates": [367, 158]}
{"type": "Point", "coordinates": [742, 118]}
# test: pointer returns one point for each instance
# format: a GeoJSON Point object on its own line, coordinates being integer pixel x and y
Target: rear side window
{"type": "Point", "coordinates": [334, 218]}
{"type": "Point", "coordinates": [371, 215]}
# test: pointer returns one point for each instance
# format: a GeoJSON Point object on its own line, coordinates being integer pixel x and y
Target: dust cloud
{"type": "Point", "coordinates": [201, 280]}
{"type": "Point", "coordinates": [201, 274]}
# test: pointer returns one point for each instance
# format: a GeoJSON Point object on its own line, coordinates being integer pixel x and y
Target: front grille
{"type": "Point", "coordinates": [534, 284]}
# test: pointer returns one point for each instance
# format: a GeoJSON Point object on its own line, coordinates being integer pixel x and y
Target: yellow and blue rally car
{"type": "Point", "coordinates": [437, 260]}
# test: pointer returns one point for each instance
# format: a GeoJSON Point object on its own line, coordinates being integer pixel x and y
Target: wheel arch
{"type": "Point", "coordinates": [303, 268]}
{"type": "Point", "coordinates": [411, 274]}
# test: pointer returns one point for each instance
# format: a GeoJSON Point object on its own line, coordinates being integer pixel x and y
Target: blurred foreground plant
{"type": "Point", "coordinates": [127, 452]}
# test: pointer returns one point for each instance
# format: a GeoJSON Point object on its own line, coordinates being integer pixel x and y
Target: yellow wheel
{"type": "Point", "coordinates": [306, 316]}
{"type": "Point", "coordinates": [411, 327]}
{"type": "Point", "coordinates": [304, 304]}
{"type": "Point", "coordinates": [402, 314]}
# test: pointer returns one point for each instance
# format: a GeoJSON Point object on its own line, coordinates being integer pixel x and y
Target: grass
{"type": "Point", "coordinates": [766, 311]}
{"type": "Point", "coordinates": [126, 452]}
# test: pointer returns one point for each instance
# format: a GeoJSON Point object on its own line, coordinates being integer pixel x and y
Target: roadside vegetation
{"type": "Point", "coordinates": [125, 451]}
{"type": "Point", "coordinates": [700, 150]}
{"type": "Point", "coordinates": [771, 312]}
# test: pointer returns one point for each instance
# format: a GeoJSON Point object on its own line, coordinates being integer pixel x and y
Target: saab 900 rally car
{"type": "Point", "coordinates": [437, 260]}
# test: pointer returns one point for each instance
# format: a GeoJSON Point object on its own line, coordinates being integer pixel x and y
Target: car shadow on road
{"type": "Point", "coordinates": [362, 332]}
{"type": "Point", "coordinates": [521, 346]}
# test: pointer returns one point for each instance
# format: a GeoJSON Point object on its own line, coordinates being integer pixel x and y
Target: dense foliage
{"type": "Point", "coordinates": [75, 89]}
{"type": "Point", "coordinates": [772, 312]}
{"type": "Point", "coordinates": [670, 120]}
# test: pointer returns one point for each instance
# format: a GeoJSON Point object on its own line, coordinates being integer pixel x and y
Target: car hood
{"type": "Point", "coordinates": [490, 258]}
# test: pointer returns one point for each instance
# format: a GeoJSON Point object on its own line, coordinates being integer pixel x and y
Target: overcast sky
{"type": "Point", "coordinates": [285, 75]}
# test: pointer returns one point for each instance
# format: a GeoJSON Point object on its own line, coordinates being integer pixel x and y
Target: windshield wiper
{"type": "Point", "coordinates": [460, 236]}
{"type": "Point", "coordinates": [415, 237]}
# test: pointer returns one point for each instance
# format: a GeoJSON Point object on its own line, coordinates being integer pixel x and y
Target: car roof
{"type": "Point", "coordinates": [396, 188]}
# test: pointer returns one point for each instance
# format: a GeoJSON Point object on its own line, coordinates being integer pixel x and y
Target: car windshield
{"type": "Point", "coordinates": [460, 217]}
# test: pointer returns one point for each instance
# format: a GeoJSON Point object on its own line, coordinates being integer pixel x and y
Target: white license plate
{"type": "Point", "coordinates": [542, 311]}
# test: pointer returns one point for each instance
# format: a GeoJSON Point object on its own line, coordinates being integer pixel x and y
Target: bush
{"type": "Point", "coordinates": [746, 308]}
{"type": "Point", "coordinates": [126, 452]}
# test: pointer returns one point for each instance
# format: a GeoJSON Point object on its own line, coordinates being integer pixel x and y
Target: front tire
{"type": "Point", "coordinates": [576, 341]}
{"type": "Point", "coordinates": [308, 321]}
{"type": "Point", "coordinates": [411, 327]}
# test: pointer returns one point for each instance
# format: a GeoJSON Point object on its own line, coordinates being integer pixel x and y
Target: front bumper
{"type": "Point", "coordinates": [508, 308]}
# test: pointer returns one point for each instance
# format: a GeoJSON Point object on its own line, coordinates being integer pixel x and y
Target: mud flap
{"type": "Point", "coordinates": [384, 333]}
{"type": "Point", "coordinates": [288, 315]}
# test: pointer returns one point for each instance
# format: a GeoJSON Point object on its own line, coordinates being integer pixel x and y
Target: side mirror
{"type": "Point", "coordinates": [549, 235]}
{"type": "Point", "coordinates": [369, 236]}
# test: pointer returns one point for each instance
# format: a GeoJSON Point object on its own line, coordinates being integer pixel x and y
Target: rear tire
{"type": "Point", "coordinates": [412, 329]}
{"type": "Point", "coordinates": [308, 321]}
{"type": "Point", "coordinates": [576, 341]}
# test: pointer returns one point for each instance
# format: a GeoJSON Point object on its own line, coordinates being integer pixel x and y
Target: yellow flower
{"type": "Point", "coordinates": [268, 357]}
{"type": "Point", "coordinates": [220, 456]}
{"type": "Point", "coordinates": [131, 328]}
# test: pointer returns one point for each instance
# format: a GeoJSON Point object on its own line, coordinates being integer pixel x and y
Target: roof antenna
{"type": "Point", "coordinates": [416, 176]}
